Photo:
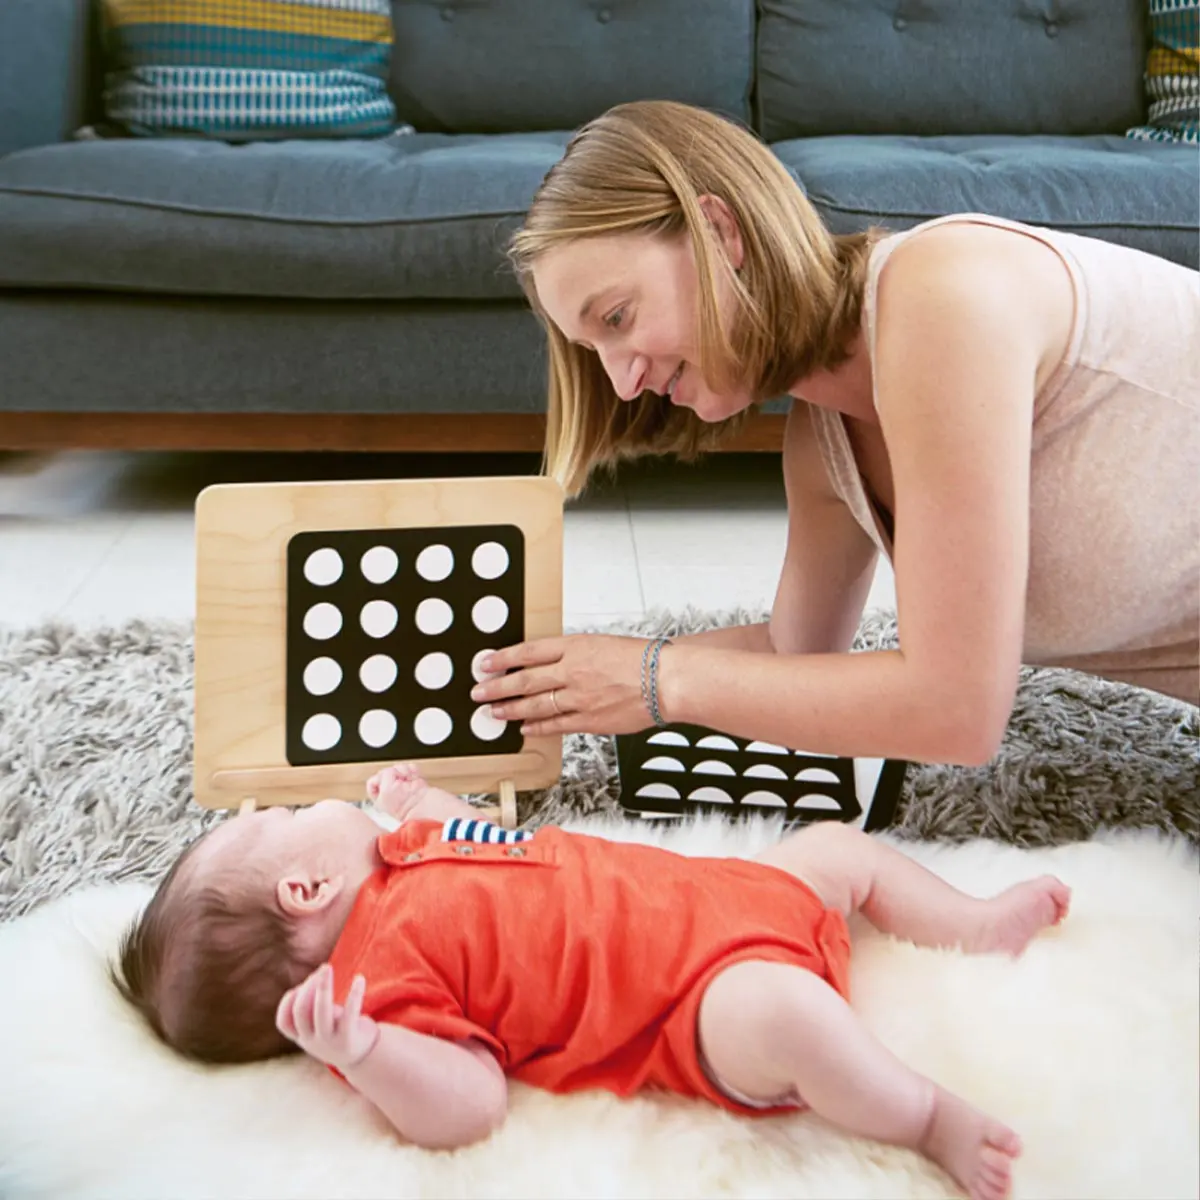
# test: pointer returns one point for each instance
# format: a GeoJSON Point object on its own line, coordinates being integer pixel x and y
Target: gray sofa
{"type": "Point", "coordinates": [195, 293]}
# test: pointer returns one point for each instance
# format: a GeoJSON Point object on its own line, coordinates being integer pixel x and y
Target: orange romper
{"type": "Point", "coordinates": [580, 962]}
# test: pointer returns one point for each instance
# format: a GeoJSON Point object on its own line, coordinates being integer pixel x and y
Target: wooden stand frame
{"type": "Point", "coordinates": [242, 533]}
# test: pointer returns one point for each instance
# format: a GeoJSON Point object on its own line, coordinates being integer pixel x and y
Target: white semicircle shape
{"type": "Point", "coordinates": [817, 800]}
{"type": "Point", "coordinates": [716, 741]}
{"type": "Point", "coordinates": [818, 775]}
{"type": "Point", "coordinates": [764, 771]}
{"type": "Point", "coordinates": [766, 748]}
{"type": "Point", "coordinates": [714, 795]}
{"type": "Point", "coordinates": [764, 799]}
{"type": "Point", "coordinates": [662, 763]}
{"type": "Point", "coordinates": [713, 766]}
{"type": "Point", "coordinates": [658, 791]}
{"type": "Point", "coordinates": [668, 737]}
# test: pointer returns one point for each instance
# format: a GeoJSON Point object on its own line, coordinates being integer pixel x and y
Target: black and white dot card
{"type": "Point", "coordinates": [385, 628]}
{"type": "Point", "coordinates": [687, 768]}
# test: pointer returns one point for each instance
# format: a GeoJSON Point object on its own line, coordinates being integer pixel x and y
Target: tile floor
{"type": "Point", "coordinates": [96, 537]}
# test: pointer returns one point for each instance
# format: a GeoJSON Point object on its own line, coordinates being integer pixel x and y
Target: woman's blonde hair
{"type": "Point", "coordinates": [642, 168]}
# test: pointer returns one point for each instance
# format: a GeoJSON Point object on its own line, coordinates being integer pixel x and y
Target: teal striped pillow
{"type": "Point", "coordinates": [248, 69]}
{"type": "Point", "coordinates": [1172, 74]}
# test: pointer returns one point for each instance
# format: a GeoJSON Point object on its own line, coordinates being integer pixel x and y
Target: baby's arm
{"type": "Point", "coordinates": [437, 1093]}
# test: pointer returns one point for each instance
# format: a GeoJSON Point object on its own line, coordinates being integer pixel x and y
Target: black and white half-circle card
{"type": "Point", "coordinates": [684, 769]}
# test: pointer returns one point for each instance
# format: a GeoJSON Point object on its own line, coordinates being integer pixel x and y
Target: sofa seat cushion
{"type": "Point", "coordinates": [412, 216]}
{"type": "Point", "coordinates": [1140, 194]}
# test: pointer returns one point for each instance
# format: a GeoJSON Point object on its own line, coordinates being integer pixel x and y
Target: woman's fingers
{"type": "Point", "coordinates": [538, 653]}
{"type": "Point", "coordinates": [544, 706]}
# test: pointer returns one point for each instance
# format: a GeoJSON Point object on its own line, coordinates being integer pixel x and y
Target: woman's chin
{"type": "Point", "coordinates": [712, 410]}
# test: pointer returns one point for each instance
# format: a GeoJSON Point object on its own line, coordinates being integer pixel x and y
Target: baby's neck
{"type": "Point", "coordinates": [321, 931]}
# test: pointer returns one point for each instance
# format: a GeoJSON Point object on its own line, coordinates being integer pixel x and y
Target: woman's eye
{"type": "Point", "coordinates": [614, 319]}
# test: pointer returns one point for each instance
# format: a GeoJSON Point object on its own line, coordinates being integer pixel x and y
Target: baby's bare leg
{"type": "Point", "coordinates": [402, 792]}
{"type": "Point", "coordinates": [855, 872]}
{"type": "Point", "coordinates": [766, 1029]}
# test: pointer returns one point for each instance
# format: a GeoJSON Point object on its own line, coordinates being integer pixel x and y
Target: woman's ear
{"type": "Point", "coordinates": [301, 895]}
{"type": "Point", "coordinates": [724, 224]}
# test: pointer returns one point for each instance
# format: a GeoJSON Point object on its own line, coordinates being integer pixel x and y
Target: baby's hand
{"type": "Point", "coordinates": [402, 792]}
{"type": "Point", "coordinates": [337, 1035]}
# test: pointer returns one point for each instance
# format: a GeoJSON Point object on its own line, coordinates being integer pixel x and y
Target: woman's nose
{"type": "Point", "coordinates": [627, 372]}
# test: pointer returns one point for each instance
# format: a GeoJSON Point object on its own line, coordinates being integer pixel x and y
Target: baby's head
{"type": "Point", "coordinates": [248, 911]}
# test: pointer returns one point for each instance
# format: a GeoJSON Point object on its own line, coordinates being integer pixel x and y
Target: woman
{"type": "Point", "coordinates": [1010, 414]}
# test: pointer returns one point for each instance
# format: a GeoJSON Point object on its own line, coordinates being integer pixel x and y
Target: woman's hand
{"type": "Point", "coordinates": [586, 683]}
{"type": "Point", "coordinates": [339, 1036]}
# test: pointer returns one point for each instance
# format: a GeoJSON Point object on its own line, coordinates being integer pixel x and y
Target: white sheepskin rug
{"type": "Point", "coordinates": [1089, 1046]}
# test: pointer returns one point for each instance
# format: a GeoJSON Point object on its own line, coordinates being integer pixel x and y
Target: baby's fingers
{"type": "Point", "coordinates": [285, 1020]}
{"type": "Point", "coordinates": [323, 1003]}
{"type": "Point", "coordinates": [302, 1010]}
{"type": "Point", "coordinates": [354, 1001]}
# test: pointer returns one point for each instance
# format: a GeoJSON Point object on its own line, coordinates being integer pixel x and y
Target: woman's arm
{"type": "Point", "coordinates": [827, 570]}
{"type": "Point", "coordinates": [959, 345]}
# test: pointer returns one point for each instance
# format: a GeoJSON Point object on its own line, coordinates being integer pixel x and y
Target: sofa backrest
{"type": "Point", "coordinates": [927, 67]}
{"type": "Point", "coordinates": [499, 66]}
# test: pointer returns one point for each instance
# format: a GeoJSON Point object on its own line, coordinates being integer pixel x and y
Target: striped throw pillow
{"type": "Point", "coordinates": [242, 70]}
{"type": "Point", "coordinates": [1172, 78]}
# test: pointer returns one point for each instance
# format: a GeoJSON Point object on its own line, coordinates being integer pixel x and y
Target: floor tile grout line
{"type": "Point", "coordinates": [637, 562]}
{"type": "Point", "coordinates": [96, 566]}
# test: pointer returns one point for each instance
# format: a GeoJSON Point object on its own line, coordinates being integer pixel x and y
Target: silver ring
{"type": "Point", "coordinates": [554, 701]}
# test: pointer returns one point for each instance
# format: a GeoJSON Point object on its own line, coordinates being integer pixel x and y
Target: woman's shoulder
{"type": "Point", "coordinates": [967, 271]}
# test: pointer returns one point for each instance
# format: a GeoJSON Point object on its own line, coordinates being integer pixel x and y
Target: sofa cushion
{"type": "Point", "coordinates": [260, 68]}
{"type": "Point", "coordinates": [502, 66]}
{"type": "Point", "coordinates": [930, 67]}
{"type": "Point", "coordinates": [418, 216]}
{"type": "Point", "coordinates": [1140, 194]}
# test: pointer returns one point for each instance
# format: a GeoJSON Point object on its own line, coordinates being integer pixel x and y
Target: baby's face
{"type": "Point", "coordinates": [328, 837]}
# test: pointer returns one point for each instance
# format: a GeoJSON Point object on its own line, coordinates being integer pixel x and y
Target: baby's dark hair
{"type": "Point", "coordinates": [206, 964]}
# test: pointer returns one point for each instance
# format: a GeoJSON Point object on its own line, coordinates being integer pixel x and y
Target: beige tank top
{"type": "Point", "coordinates": [1114, 563]}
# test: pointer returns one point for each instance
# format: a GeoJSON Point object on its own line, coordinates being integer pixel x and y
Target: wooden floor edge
{"type": "Point", "coordinates": [398, 432]}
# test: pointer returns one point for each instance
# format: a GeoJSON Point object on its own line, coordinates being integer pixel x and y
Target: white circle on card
{"type": "Point", "coordinates": [378, 673]}
{"type": "Point", "coordinates": [378, 618]}
{"type": "Point", "coordinates": [377, 727]}
{"type": "Point", "coordinates": [321, 732]}
{"type": "Point", "coordinates": [323, 621]}
{"type": "Point", "coordinates": [322, 676]}
{"type": "Point", "coordinates": [435, 563]}
{"type": "Point", "coordinates": [379, 564]}
{"type": "Point", "coordinates": [433, 725]}
{"type": "Point", "coordinates": [434, 616]}
{"type": "Point", "coordinates": [489, 614]}
{"type": "Point", "coordinates": [323, 567]}
{"type": "Point", "coordinates": [486, 727]}
{"type": "Point", "coordinates": [477, 671]}
{"type": "Point", "coordinates": [435, 671]}
{"type": "Point", "coordinates": [490, 560]}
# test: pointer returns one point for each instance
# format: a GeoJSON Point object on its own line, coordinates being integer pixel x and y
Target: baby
{"type": "Point", "coordinates": [427, 965]}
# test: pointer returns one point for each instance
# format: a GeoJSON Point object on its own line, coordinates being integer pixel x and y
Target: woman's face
{"type": "Point", "coordinates": [632, 300]}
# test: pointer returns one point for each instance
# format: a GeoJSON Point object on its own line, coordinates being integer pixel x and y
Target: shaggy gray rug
{"type": "Point", "coordinates": [95, 759]}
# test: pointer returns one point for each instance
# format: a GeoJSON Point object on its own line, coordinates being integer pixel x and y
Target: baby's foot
{"type": "Point", "coordinates": [402, 792]}
{"type": "Point", "coordinates": [1011, 919]}
{"type": "Point", "coordinates": [976, 1150]}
